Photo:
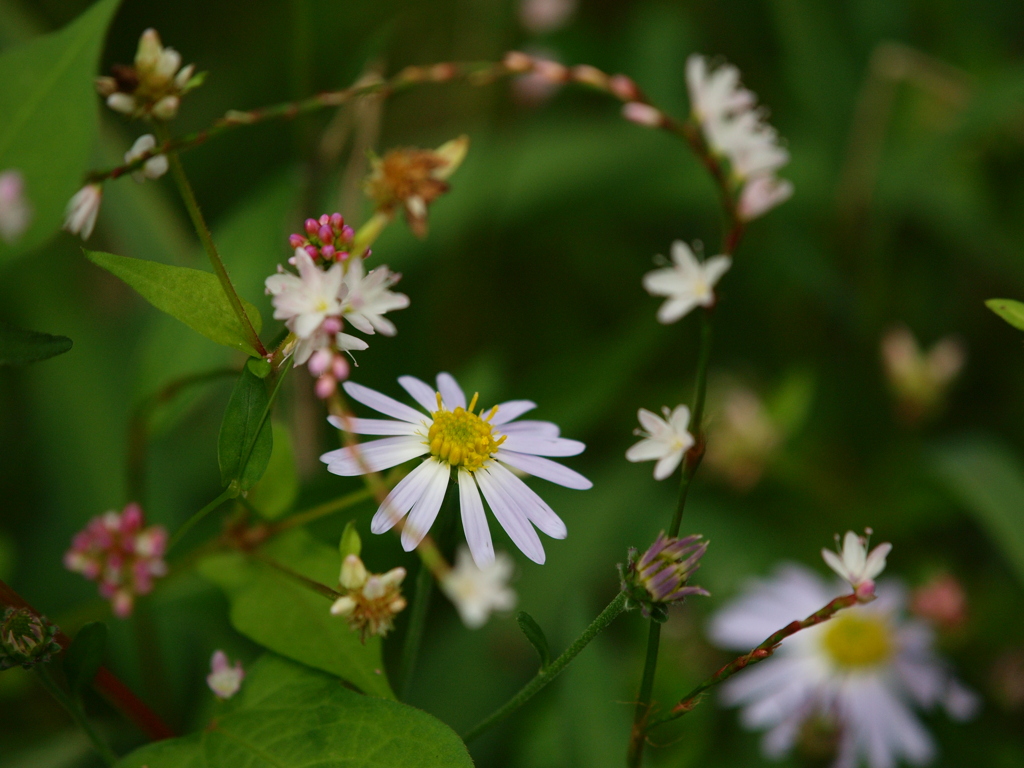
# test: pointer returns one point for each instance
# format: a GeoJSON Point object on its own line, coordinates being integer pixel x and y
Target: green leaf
{"type": "Point", "coordinates": [85, 655]}
{"type": "Point", "coordinates": [287, 716]}
{"type": "Point", "coordinates": [246, 435]}
{"type": "Point", "coordinates": [18, 347]}
{"type": "Point", "coordinates": [191, 295]}
{"type": "Point", "coordinates": [49, 108]}
{"type": "Point", "coordinates": [535, 635]}
{"type": "Point", "coordinates": [278, 612]}
{"type": "Point", "coordinates": [350, 543]}
{"type": "Point", "coordinates": [1011, 311]}
{"type": "Point", "coordinates": [276, 492]}
{"type": "Point", "coordinates": [988, 478]}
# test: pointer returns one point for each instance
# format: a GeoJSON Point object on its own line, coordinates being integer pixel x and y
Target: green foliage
{"type": "Point", "coordinates": [350, 543]}
{"type": "Point", "coordinates": [288, 716]}
{"type": "Point", "coordinates": [49, 106]}
{"type": "Point", "coordinates": [84, 656]}
{"type": "Point", "coordinates": [18, 346]}
{"type": "Point", "coordinates": [277, 490]}
{"type": "Point", "coordinates": [1011, 311]}
{"type": "Point", "coordinates": [246, 439]}
{"type": "Point", "coordinates": [281, 614]}
{"type": "Point", "coordinates": [535, 635]}
{"type": "Point", "coordinates": [191, 295]}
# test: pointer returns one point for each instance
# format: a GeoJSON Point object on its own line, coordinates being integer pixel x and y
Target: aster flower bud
{"type": "Point", "coordinates": [26, 639]}
{"type": "Point", "coordinates": [370, 600]}
{"type": "Point", "coordinates": [659, 577]}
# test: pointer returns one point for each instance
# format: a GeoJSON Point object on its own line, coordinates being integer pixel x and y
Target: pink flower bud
{"type": "Point", "coordinates": [340, 369]}
{"type": "Point", "coordinates": [313, 251]}
{"type": "Point", "coordinates": [332, 325]}
{"type": "Point", "coordinates": [296, 241]}
{"type": "Point", "coordinates": [311, 226]}
{"type": "Point", "coordinates": [337, 220]}
{"type": "Point", "coordinates": [517, 61]}
{"type": "Point", "coordinates": [320, 361]}
{"type": "Point", "coordinates": [623, 87]}
{"type": "Point", "coordinates": [328, 252]}
{"type": "Point", "coordinates": [347, 233]}
{"type": "Point", "coordinates": [643, 114]}
{"type": "Point", "coordinates": [325, 387]}
{"type": "Point", "coordinates": [325, 220]}
{"type": "Point", "coordinates": [325, 233]}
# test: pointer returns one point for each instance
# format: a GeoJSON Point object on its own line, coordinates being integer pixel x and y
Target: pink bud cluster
{"type": "Point", "coordinates": [328, 238]}
{"type": "Point", "coordinates": [329, 366]}
{"type": "Point", "coordinates": [122, 555]}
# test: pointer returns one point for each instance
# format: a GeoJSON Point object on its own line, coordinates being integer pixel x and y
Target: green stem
{"type": "Point", "coordinates": [230, 492]}
{"type": "Point", "coordinates": [315, 586]}
{"type": "Point", "coordinates": [417, 625]}
{"type": "Point", "coordinates": [194, 212]}
{"type": "Point", "coordinates": [321, 510]}
{"type": "Point", "coordinates": [75, 710]}
{"type": "Point", "coordinates": [550, 672]}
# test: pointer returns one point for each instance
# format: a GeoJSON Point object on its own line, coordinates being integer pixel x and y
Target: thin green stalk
{"type": "Point", "coordinates": [194, 212]}
{"type": "Point", "coordinates": [230, 492]}
{"type": "Point", "coordinates": [316, 586]}
{"type": "Point", "coordinates": [75, 710]}
{"type": "Point", "coordinates": [553, 670]}
{"type": "Point", "coordinates": [321, 510]}
{"type": "Point", "coordinates": [417, 625]}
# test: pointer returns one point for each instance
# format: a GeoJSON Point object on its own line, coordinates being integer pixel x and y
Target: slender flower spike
{"type": "Point", "coordinates": [659, 577]}
{"type": "Point", "coordinates": [154, 167]}
{"type": "Point", "coordinates": [122, 555]}
{"type": "Point", "coordinates": [481, 449]}
{"type": "Point", "coordinates": [666, 440]}
{"type": "Point", "coordinates": [371, 600]}
{"type": "Point", "coordinates": [412, 179]}
{"type": "Point", "coordinates": [15, 211]}
{"type": "Point", "coordinates": [688, 283]}
{"type": "Point", "coordinates": [82, 210]}
{"type": "Point", "coordinates": [26, 639]}
{"type": "Point", "coordinates": [855, 565]}
{"type": "Point", "coordinates": [224, 680]}
{"type": "Point", "coordinates": [477, 592]}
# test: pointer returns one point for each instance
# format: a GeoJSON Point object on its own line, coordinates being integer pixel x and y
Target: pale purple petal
{"type": "Point", "coordinates": [424, 512]}
{"type": "Point", "coordinates": [451, 392]}
{"type": "Point", "coordinates": [402, 498]}
{"type": "Point", "coordinates": [543, 446]}
{"type": "Point", "coordinates": [474, 520]}
{"type": "Point", "coordinates": [545, 469]}
{"type": "Point", "coordinates": [383, 403]}
{"type": "Point", "coordinates": [531, 428]}
{"type": "Point", "coordinates": [512, 409]}
{"type": "Point", "coordinates": [513, 520]}
{"type": "Point", "coordinates": [540, 514]}
{"type": "Point", "coordinates": [421, 392]}
{"type": "Point", "coordinates": [373, 456]}
{"type": "Point", "coordinates": [357, 426]}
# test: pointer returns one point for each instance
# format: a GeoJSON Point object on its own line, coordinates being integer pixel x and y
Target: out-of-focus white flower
{"type": "Point", "coordinates": [688, 283]}
{"type": "Point", "coordinates": [744, 437]}
{"type": "Point", "coordinates": [369, 296]}
{"type": "Point", "coordinates": [153, 168]}
{"type": "Point", "coordinates": [855, 565]}
{"type": "Point", "coordinates": [859, 674]}
{"type": "Point", "coordinates": [483, 447]}
{"type": "Point", "coordinates": [665, 440]}
{"type": "Point", "coordinates": [761, 194]}
{"type": "Point", "coordinates": [918, 379]}
{"type": "Point", "coordinates": [477, 592]}
{"type": "Point", "coordinates": [224, 680]}
{"type": "Point", "coordinates": [715, 95]}
{"type": "Point", "coordinates": [540, 16]}
{"type": "Point", "coordinates": [82, 210]}
{"type": "Point", "coordinates": [15, 211]}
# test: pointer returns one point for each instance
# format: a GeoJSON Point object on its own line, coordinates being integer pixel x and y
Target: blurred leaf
{"type": "Point", "coordinates": [85, 655]}
{"type": "Point", "coordinates": [191, 295]}
{"type": "Point", "coordinates": [350, 543]}
{"type": "Point", "coordinates": [1011, 311]}
{"type": "Point", "coordinates": [48, 102]}
{"type": "Point", "coordinates": [18, 346]}
{"type": "Point", "coordinates": [276, 492]}
{"type": "Point", "coordinates": [988, 479]}
{"type": "Point", "coordinates": [246, 436]}
{"type": "Point", "coordinates": [288, 716]}
{"type": "Point", "coordinates": [535, 635]}
{"type": "Point", "coordinates": [279, 613]}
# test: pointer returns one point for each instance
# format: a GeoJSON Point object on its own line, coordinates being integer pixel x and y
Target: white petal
{"type": "Point", "coordinates": [543, 446]}
{"type": "Point", "coordinates": [512, 409]}
{"type": "Point", "coordinates": [667, 464]}
{"type": "Point", "coordinates": [420, 391]}
{"type": "Point", "coordinates": [832, 561]}
{"type": "Point", "coordinates": [373, 456]}
{"type": "Point", "coordinates": [540, 514]}
{"type": "Point", "coordinates": [531, 428]}
{"type": "Point", "coordinates": [450, 391]}
{"type": "Point", "coordinates": [424, 512]}
{"type": "Point", "coordinates": [474, 521]}
{"type": "Point", "coordinates": [715, 267]}
{"type": "Point", "coordinates": [674, 309]}
{"type": "Point", "coordinates": [683, 256]}
{"type": "Point", "coordinates": [402, 498]}
{"type": "Point", "coordinates": [357, 426]}
{"type": "Point", "coordinates": [651, 422]}
{"type": "Point", "coordinates": [383, 403]}
{"type": "Point", "coordinates": [512, 519]}
{"type": "Point", "coordinates": [545, 469]}
{"type": "Point", "coordinates": [664, 282]}
{"type": "Point", "coordinates": [854, 556]}
{"type": "Point", "coordinates": [876, 560]}
{"type": "Point", "coordinates": [648, 450]}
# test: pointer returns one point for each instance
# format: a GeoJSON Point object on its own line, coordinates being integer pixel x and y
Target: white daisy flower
{"type": "Point", "coordinates": [688, 283]}
{"type": "Point", "coordinates": [477, 592]}
{"type": "Point", "coordinates": [153, 168]}
{"type": "Point", "coordinates": [862, 672]}
{"type": "Point", "coordinates": [82, 210]}
{"type": "Point", "coordinates": [481, 449]}
{"type": "Point", "coordinates": [855, 566]}
{"type": "Point", "coordinates": [665, 440]}
{"type": "Point", "coordinates": [369, 297]}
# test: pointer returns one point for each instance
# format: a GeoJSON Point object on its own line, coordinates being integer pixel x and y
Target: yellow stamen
{"type": "Point", "coordinates": [857, 641]}
{"type": "Point", "coordinates": [461, 438]}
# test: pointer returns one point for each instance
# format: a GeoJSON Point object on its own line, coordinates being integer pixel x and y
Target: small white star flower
{"type": "Point", "coordinates": [855, 565]}
{"type": "Point", "coordinates": [83, 208]}
{"type": "Point", "coordinates": [477, 592]}
{"type": "Point", "coordinates": [15, 211]}
{"type": "Point", "coordinates": [761, 194]}
{"type": "Point", "coordinates": [369, 297]}
{"type": "Point", "coordinates": [665, 440]}
{"type": "Point", "coordinates": [305, 301]}
{"type": "Point", "coordinates": [715, 94]}
{"type": "Point", "coordinates": [224, 680]}
{"type": "Point", "coordinates": [688, 283]}
{"type": "Point", "coordinates": [480, 449]}
{"type": "Point", "coordinates": [153, 168]}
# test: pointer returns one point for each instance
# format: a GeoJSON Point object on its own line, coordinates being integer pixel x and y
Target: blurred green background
{"type": "Point", "coordinates": [905, 121]}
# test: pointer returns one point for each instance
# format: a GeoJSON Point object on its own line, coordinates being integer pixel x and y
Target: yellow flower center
{"type": "Point", "coordinates": [858, 642]}
{"type": "Point", "coordinates": [461, 437]}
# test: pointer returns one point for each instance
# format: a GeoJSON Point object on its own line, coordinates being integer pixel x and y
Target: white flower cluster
{"type": "Point", "coordinates": [734, 128]}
